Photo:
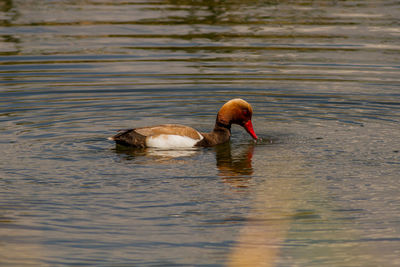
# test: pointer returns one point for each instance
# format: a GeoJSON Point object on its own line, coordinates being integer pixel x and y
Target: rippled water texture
{"type": "Point", "coordinates": [321, 187]}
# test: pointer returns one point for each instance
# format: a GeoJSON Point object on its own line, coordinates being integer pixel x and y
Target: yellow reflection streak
{"type": "Point", "coordinates": [275, 203]}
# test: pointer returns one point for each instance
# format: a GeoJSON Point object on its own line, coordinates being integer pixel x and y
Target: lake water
{"type": "Point", "coordinates": [321, 187]}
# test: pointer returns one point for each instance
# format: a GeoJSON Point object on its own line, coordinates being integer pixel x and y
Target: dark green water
{"type": "Point", "coordinates": [320, 189]}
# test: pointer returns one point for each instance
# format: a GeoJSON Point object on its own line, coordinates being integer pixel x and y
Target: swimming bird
{"type": "Point", "coordinates": [235, 111]}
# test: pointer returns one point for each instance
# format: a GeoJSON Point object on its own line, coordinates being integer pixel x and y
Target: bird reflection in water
{"type": "Point", "coordinates": [156, 154]}
{"type": "Point", "coordinates": [235, 165]}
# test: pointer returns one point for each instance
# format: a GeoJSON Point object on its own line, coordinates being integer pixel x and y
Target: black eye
{"type": "Point", "coordinates": [245, 112]}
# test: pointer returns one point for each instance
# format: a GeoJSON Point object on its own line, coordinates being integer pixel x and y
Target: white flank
{"type": "Point", "coordinates": [171, 141]}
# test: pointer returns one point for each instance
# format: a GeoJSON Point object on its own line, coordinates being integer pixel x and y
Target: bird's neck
{"type": "Point", "coordinates": [221, 132]}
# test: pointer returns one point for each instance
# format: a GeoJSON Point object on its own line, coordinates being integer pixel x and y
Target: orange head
{"type": "Point", "coordinates": [239, 112]}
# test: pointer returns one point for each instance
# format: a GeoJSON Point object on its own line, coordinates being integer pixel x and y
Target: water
{"type": "Point", "coordinates": [319, 189]}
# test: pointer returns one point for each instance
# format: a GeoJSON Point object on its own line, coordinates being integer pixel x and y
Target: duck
{"type": "Point", "coordinates": [167, 136]}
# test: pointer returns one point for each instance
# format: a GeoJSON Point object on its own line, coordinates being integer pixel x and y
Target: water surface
{"type": "Point", "coordinates": [319, 189]}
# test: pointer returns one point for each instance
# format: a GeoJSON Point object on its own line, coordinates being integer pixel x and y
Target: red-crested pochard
{"type": "Point", "coordinates": [235, 111]}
